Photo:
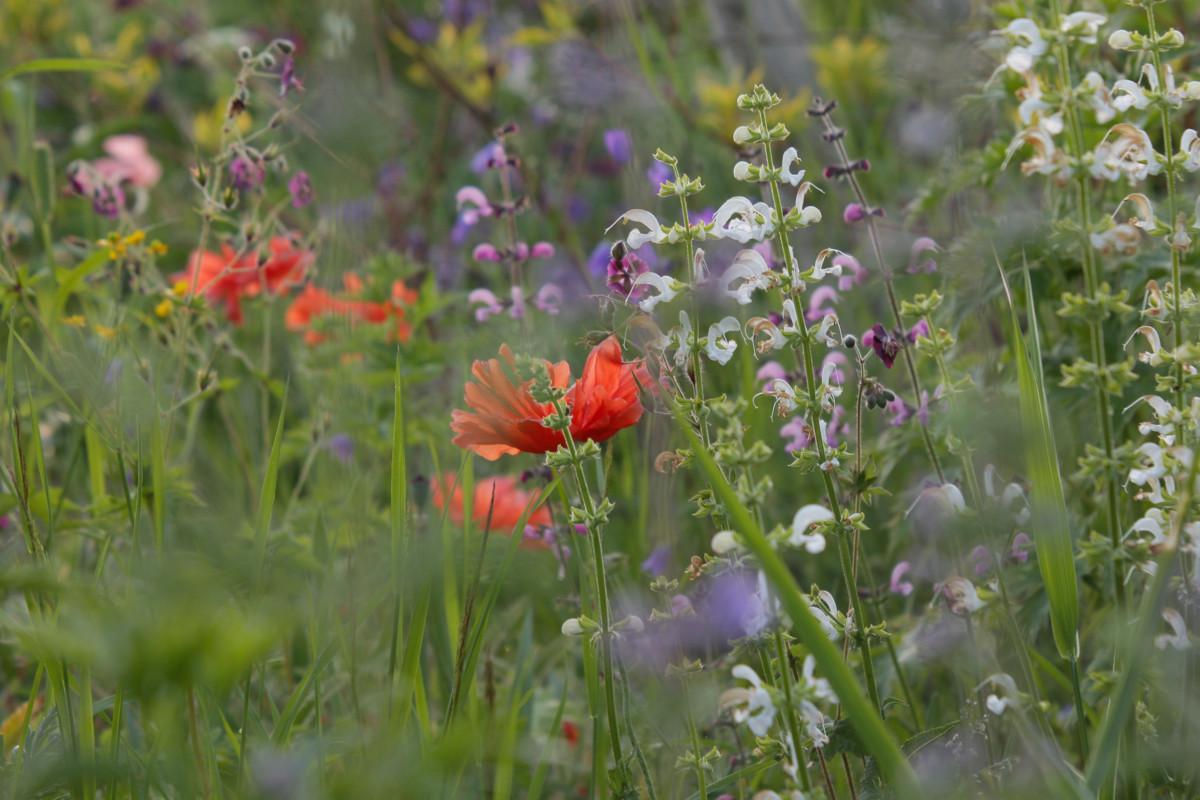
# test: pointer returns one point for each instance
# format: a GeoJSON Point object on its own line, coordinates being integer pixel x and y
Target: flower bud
{"type": "Point", "coordinates": [743, 171]}
{"type": "Point", "coordinates": [854, 213]}
{"type": "Point", "coordinates": [572, 627]}
{"type": "Point", "coordinates": [742, 134]}
{"type": "Point", "coordinates": [849, 342]}
{"type": "Point", "coordinates": [1170, 39]}
{"type": "Point", "coordinates": [724, 542]}
{"type": "Point", "coordinates": [1121, 40]}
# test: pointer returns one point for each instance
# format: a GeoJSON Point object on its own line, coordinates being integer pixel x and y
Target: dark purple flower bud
{"type": "Point", "coordinates": [300, 188]}
{"type": "Point", "coordinates": [108, 200]}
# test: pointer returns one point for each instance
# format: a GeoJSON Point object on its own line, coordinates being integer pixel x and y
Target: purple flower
{"type": "Point", "coordinates": [919, 248]}
{"type": "Point", "coordinates": [300, 188]}
{"type": "Point", "coordinates": [657, 173]}
{"type": "Point", "coordinates": [1021, 545]}
{"type": "Point", "coordinates": [488, 155]}
{"type": "Point", "coordinates": [341, 446]}
{"type": "Point", "coordinates": [897, 584]}
{"type": "Point", "coordinates": [618, 145]}
{"type": "Point", "coordinates": [423, 30]}
{"type": "Point", "coordinates": [549, 299]}
{"type": "Point", "coordinates": [288, 79]}
{"type": "Point", "coordinates": [917, 331]}
{"type": "Point", "coordinates": [601, 254]}
{"type": "Point", "coordinates": [799, 434]}
{"type": "Point", "coordinates": [486, 252]}
{"type": "Point", "coordinates": [487, 302]}
{"type": "Point", "coordinates": [981, 560]}
{"type": "Point", "coordinates": [837, 427]}
{"type": "Point", "coordinates": [886, 346]}
{"type": "Point", "coordinates": [621, 274]}
{"type": "Point", "coordinates": [901, 412]}
{"type": "Point", "coordinates": [656, 563]}
{"type": "Point", "coordinates": [246, 173]}
{"type": "Point", "coordinates": [108, 200]}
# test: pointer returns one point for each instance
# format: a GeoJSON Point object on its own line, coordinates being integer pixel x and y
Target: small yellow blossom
{"type": "Point", "coordinates": [163, 309]}
{"type": "Point", "coordinates": [180, 288]}
{"type": "Point", "coordinates": [158, 248]}
{"type": "Point", "coordinates": [75, 320]}
{"type": "Point", "coordinates": [135, 238]}
{"type": "Point", "coordinates": [105, 332]}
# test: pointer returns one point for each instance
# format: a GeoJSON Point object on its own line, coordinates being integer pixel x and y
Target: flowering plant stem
{"type": "Point", "coordinates": [810, 381]}
{"type": "Point", "coordinates": [886, 273]}
{"type": "Point", "coordinates": [1169, 152]}
{"type": "Point", "coordinates": [594, 537]}
{"type": "Point", "coordinates": [1095, 329]}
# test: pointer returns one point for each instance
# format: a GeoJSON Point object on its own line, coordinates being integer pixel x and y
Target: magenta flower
{"type": "Point", "coordinates": [981, 561]}
{"type": "Point", "coordinates": [486, 252]}
{"type": "Point", "coordinates": [798, 433]}
{"type": "Point", "coordinates": [921, 329]}
{"type": "Point", "coordinates": [473, 204]}
{"type": "Point", "coordinates": [300, 188]}
{"type": "Point", "coordinates": [885, 345]}
{"type": "Point", "coordinates": [897, 584]}
{"type": "Point", "coordinates": [288, 79]}
{"type": "Point", "coordinates": [770, 371]}
{"type": "Point", "coordinates": [854, 212]}
{"type": "Point", "coordinates": [622, 273]}
{"type": "Point", "coordinates": [246, 173]}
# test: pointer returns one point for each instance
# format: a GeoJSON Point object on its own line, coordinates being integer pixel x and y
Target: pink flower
{"type": "Point", "coordinates": [834, 358]}
{"type": "Point", "coordinates": [981, 560]}
{"type": "Point", "coordinates": [770, 371]}
{"type": "Point", "coordinates": [300, 189]}
{"type": "Point", "coordinates": [489, 304]}
{"type": "Point", "coordinates": [817, 308]}
{"type": "Point", "coordinates": [853, 273]}
{"type": "Point", "coordinates": [129, 160]}
{"type": "Point", "coordinates": [921, 329]}
{"type": "Point", "coordinates": [854, 213]}
{"type": "Point", "coordinates": [542, 250]}
{"type": "Point", "coordinates": [473, 204]}
{"type": "Point", "coordinates": [548, 299]}
{"type": "Point", "coordinates": [799, 434]}
{"type": "Point", "coordinates": [897, 585]}
{"type": "Point", "coordinates": [486, 252]}
{"type": "Point", "coordinates": [919, 248]}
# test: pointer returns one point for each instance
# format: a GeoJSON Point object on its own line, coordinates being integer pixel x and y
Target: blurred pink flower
{"type": "Point", "coordinates": [129, 160]}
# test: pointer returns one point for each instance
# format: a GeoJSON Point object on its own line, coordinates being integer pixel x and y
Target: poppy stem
{"type": "Point", "coordinates": [601, 580]}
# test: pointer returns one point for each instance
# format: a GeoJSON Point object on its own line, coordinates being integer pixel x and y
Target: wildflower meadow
{"type": "Point", "coordinates": [599, 399]}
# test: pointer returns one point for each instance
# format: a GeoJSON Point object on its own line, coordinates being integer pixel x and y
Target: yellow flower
{"type": "Point", "coordinates": [206, 126]}
{"type": "Point", "coordinates": [105, 332]}
{"type": "Point", "coordinates": [851, 72]}
{"type": "Point", "coordinates": [135, 238]}
{"type": "Point", "coordinates": [459, 54]}
{"type": "Point", "coordinates": [12, 725]}
{"type": "Point", "coordinates": [719, 113]}
{"type": "Point", "coordinates": [180, 288]}
{"type": "Point", "coordinates": [163, 309]}
{"type": "Point", "coordinates": [75, 321]}
{"type": "Point", "coordinates": [158, 248]}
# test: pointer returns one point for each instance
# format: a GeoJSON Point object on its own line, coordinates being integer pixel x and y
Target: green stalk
{"type": "Point", "coordinates": [601, 581]}
{"type": "Point", "coordinates": [1172, 203]}
{"type": "Point", "coordinates": [886, 273]}
{"type": "Point", "coordinates": [815, 424]}
{"type": "Point", "coordinates": [1095, 329]}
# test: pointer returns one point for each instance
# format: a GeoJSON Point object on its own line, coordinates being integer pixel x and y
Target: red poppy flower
{"type": "Point", "coordinates": [226, 277]}
{"type": "Point", "coordinates": [314, 303]}
{"type": "Point", "coordinates": [570, 732]}
{"type": "Point", "coordinates": [506, 420]}
{"type": "Point", "coordinates": [501, 499]}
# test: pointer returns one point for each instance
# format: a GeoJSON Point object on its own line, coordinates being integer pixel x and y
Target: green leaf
{"type": "Point", "coordinates": [39, 65]}
{"type": "Point", "coordinates": [266, 501]}
{"type": "Point", "coordinates": [1050, 526]}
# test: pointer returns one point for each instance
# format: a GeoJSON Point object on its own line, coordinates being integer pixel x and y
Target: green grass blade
{"type": "Point", "coordinates": [1051, 528]}
{"type": "Point", "coordinates": [266, 502]}
{"type": "Point", "coordinates": [862, 716]}
{"type": "Point", "coordinates": [40, 65]}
